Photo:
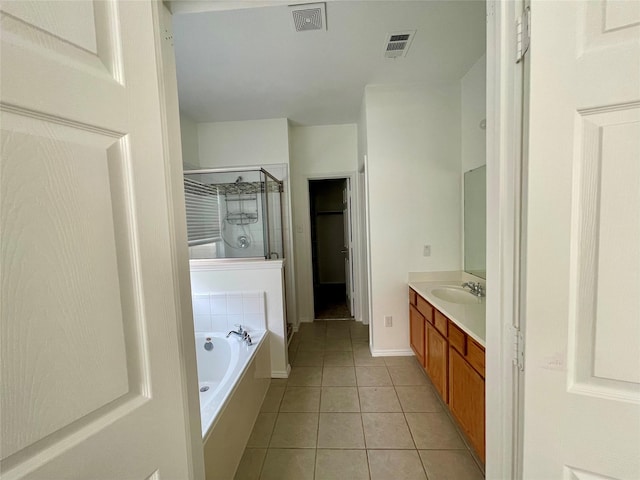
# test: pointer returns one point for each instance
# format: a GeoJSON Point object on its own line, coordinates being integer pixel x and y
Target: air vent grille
{"type": "Point", "coordinates": [309, 17]}
{"type": "Point", "coordinates": [398, 44]}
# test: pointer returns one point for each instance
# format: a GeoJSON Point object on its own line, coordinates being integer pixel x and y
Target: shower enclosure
{"type": "Point", "coordinates": [233, 213]}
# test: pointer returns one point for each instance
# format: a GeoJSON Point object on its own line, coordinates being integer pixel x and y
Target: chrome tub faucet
{"type": "Point", "coordinates": [242, 333]}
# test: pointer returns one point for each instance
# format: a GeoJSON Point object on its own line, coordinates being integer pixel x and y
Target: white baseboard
{"type": "Point", "coordinates": [392, 353]}
{"type": "Point", "coordinates": [280, 373]}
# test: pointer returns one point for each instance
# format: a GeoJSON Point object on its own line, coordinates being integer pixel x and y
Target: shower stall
{"type": "Point", "coordinates": [233, 213]}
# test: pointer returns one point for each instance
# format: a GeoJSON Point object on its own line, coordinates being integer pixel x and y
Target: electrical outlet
{"type": "Point", "coordinates": [427, 251]}
{"type": "Point", "coordinates": [388, 321]}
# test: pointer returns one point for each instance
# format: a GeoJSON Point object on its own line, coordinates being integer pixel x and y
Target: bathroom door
{"type": "Point", "coordinates": [581, 244]}
{"type": "Point", "coordinates": [93, 382]}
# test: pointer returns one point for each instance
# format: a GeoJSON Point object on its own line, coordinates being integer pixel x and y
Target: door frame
{"type": "Point", "coordinates": [307, 277]}
{"type": "Point", "coordinates": [505, 133]}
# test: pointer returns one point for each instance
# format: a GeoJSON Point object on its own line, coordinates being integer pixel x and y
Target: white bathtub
{"type": "Point", "coordinates": [237, 376]}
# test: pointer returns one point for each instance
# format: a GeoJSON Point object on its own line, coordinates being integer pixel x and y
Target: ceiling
{"type": "Point", "coordinates": [251, 64]}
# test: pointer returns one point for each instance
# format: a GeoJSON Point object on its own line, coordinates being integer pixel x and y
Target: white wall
{"type": "Point", "coordinates": [413, 174]}
{"type": "Point", "coordinates": [234, 144]}
{"type": "Point", "coordinates": [189, 138]}
{"type": "Point", "coordinates": [473, 109]}
{"type": "Point", "coordinates": [316, 152]}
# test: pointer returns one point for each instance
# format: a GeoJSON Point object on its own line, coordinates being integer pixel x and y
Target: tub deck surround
{"type": "Point", "coordinates": [471, 318]}
{"type": "Point", "coordinates": [220, 369]}
{"type": "Point", "coordinates": [238, 376]}
{"type": "Point", "coordinates": [216, 277]}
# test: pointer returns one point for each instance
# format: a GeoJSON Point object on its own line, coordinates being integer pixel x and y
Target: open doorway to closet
{"type": "Point", "coordinates": [331, 248]}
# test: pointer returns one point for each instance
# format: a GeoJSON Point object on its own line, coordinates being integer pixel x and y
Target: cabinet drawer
{"type": "Point", "coordinates": [425, 308]}
{"type": "Point", "coordinates": [440, 321]}
{"type": "Point", "coordinates": [475, 356]}
{"type": "Point", "coordinates": [457, 338]}
{"type": "Point", "coordinates": [412, 297]}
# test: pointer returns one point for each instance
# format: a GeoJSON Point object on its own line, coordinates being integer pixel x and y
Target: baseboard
{"type": "Point", "coordinates": [280, 373]}
{"type": "Point", "coordinates": [392, 353]}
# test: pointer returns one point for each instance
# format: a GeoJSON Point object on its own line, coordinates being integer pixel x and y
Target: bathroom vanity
{"type": "Point", "coordinates": [447, 330]}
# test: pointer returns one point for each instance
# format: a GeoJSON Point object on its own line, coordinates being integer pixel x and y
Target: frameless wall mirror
{"type": "Point", "coordinates": [475, 221]}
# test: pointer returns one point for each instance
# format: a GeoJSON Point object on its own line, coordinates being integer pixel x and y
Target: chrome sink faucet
{"type": "Point", "coordinates": [476, 288]}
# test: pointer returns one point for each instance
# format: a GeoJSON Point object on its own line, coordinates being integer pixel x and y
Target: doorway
{"type": "Point", "coordinates": [331, 248]}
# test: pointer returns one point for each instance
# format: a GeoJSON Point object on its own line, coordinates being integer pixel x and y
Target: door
{"type": "Point", "coordinates": [582, 258]}
{"type": "Point", "coordinates": [347, 249]}
{"type": "Point", "coordinates": [92, 382]}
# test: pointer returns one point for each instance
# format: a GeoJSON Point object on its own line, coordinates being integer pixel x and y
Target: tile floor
{"type": "Point", "coordinates": [343, 414]}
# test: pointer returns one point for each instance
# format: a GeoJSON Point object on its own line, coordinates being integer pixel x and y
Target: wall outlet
{"type": "Point", "coordinates": [427, 251]}
{"type": "Point", "coordinates": [388, 321]}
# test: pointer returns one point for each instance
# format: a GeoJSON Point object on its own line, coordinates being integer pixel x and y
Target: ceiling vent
{"type": "Point", "coordinates": [398, 44]}
{"type": "Point", "coordinates": [308, 17]}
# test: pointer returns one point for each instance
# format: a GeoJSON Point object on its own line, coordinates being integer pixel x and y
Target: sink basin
{"type": "Point", "coordinates": [455, 295]}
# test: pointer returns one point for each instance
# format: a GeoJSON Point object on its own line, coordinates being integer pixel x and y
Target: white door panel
{"type": "Point", "coordinates": [91, 379]}
{"type": "Point", "coordinates": [582, 378]}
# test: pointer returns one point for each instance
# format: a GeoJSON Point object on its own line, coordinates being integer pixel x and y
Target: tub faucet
{"type": "Point", "coordinates": [241, 332]}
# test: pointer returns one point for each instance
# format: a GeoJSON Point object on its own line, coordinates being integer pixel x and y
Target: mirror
{"type": "Point", "coordinates": [475, 221]}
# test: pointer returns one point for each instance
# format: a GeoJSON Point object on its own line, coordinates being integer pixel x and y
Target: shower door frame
{"type": "Point", "coordinates": [265, 227]}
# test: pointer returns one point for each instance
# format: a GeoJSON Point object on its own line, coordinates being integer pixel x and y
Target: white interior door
{"type": "Point", "coordinates": [348, 243]}
{"type": "Point", "coordinates": [91, 378]}
{"type": "Point", "coordinates": [582, 354]}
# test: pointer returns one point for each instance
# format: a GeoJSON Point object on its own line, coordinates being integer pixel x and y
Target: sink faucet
{"type": "Point", "coordinates": [476, 288]}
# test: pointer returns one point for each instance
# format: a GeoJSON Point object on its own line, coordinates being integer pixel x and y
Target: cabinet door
{"type": "Point", "coordinates": [436, 358]}
{"type": "Point", "coordinates": [466, 399]}
{"type": "Point", "coordinates": [416, 326]}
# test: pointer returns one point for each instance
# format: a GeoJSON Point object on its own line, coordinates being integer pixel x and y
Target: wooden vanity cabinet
{"type": "Point", "coordinates": [437, 360]}
{"type": "Point", "coordinates": [467, 387]}
{"type": "Point", "coordinates": [416, 326]}
{"type": "Point", "coordinates": [455, 363]}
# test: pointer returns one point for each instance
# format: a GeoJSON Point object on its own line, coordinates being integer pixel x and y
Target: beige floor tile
{"type": "Point", "coordinates": [338, 359]}
{"type": "Point", "coordinates": [295, 430]}
{"type": "Point", "coordinates": [251, 464]}
{"type": "Point", "coordinates": [338, 377]}
{"type": "Point", "coordinates": [308, 358]}
{"type": "Point", "coordinates": [339, 399]}
{"type": "Point", "coordinates": [343, 344]}
{"type": "Point", "coordinates": [262, 430]}
{"type": "Point", "coordinates": [396, 465]}
{"type": "Point", "coordinates": [305, 377]}
{"type": "Point", "coordinates": [373, 377]}
{"type": "Point", "coordinates": [271, 402]}
{"type": "Point", "coordinates": [342, 465]}
{"type": "Point", "coordinates": [433, 431]}
{"type": "Point", "coordinates": [398, 361]}
{"type": "Point", "coordinates": [312, 344]}
{"type": "Point", "coordinates": [362, 357]}
{"type": "Point", "coordinates": [386, 430]}
{"type": "Point", "coordinates": [288, 464]}
{"type": "Point", "coordinates": [407, 375]}
{"type": "Point", "coordinates": [301, 399]}
{"type": "Point", "coordinates": [279, 382]}
{"type": "Point", "coordinates": [418, 399]}
{"type": "Point", "coordinates": [340, 430]}
{"type": "Point", "coordinates": [378, 399]}
{"type": "Point", "coordinates": [450, 465]}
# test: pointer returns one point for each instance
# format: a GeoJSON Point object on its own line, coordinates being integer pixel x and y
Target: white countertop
{"type": "Point", "coordinates": [471, 318]}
